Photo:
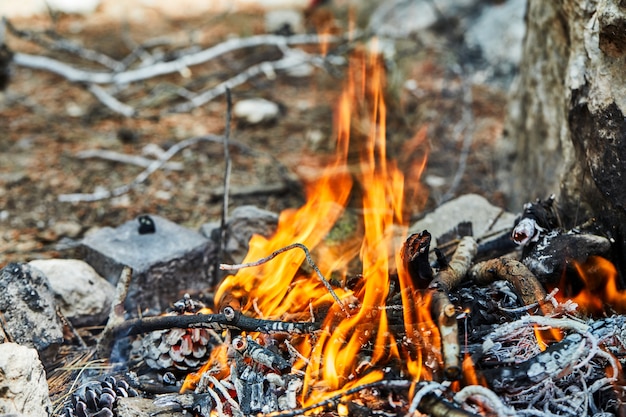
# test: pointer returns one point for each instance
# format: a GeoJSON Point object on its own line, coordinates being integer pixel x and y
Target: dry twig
{"type": "Point", "coordinates": [309, 259]}
{"type": "Point", "coordinates": [157, 164]}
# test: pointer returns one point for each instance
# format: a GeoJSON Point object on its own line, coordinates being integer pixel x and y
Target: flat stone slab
{"type": "Point", "coordinates": [484, 216]}
{"type": "Point", "coordinates": [166, 263]}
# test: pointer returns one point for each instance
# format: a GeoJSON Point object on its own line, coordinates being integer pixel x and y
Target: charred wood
{"type": "Point", "coordinates": [444, 312]}
{"type": "Point", "coordinates": [556, 360]}
{"type": "Point", "coordinates": [414, 254]}
{"type": "Point", "coordinates": [525, 283]}
{"type": "Point", "coordinates": [229, 319]}
{"type": "Point", "coordinates": [557, 252]}
{"type": "Point", "coordinates": [260, 354]}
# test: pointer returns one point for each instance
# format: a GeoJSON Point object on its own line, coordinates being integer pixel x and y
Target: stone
{"type": "Point", "coordinates": [28, 309]}
{"type": "Point", "coordinates": [142, 407]}
{"type": "Point", "coordinates": [84, 297]}
{"type": "Point", "coordinates": [255, 110]}
{"type": "Point", "coordinates": [474, 208]}
{"type": "Point", "coordinates": [284, 21]}
{"type": "Point", "coordinates": [166, 263]}
{"type": "Point", "coordinates": [23, 385]}
{"type": "Point", "coordinates": [498, 34]}
{"type": "Point", "coordinates": [243, 222]}
{"type": "Point", "coordinates": [67, 228]}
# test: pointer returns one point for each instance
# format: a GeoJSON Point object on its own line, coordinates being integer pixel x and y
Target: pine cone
{"type": "Point", "coordinates": [173, 349]}
{"type": "Point", "coordinates": [99, 400]}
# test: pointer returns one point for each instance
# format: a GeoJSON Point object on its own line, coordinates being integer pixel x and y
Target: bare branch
{"type": "Point", "coordinates": [125, 158]}
{"type": "Point", "coordinates": [309, 259]}
{"type": "Point", "coordinates": [111, 102]}
{"type": "Point", "coordinates": [76, 75]}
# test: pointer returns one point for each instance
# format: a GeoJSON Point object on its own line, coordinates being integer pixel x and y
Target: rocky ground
{"type": "Point", "coordinates": [47, 121]}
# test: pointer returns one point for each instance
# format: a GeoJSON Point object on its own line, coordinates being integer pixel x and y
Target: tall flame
{"type": "Point", "coordinates": [281, 288]}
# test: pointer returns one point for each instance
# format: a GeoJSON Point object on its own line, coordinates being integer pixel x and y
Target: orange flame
{"type": "Point", "coordinates": [278, 289]}
{"type": "Point", "coordinates": [601, 290]}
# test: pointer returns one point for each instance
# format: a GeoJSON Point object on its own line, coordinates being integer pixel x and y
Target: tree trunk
{"type": "Point", "coordinates": [566, 130]}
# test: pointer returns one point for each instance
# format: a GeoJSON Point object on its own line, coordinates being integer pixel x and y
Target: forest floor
{"type": "Point", "coordinates": [46, 121]}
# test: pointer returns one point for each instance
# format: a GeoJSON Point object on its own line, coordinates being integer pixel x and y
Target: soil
{"type": "Point", "coordinates": [45, 121]}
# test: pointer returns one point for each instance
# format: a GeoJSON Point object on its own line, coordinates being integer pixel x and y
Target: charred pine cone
{"type": "Point", "coordinates": [175, 350]}
{"type": "Point", "coordinates": [99, 400]}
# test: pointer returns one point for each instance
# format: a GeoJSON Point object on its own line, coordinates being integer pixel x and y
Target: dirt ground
{"type": "Point", "coordinates": [45, 121]}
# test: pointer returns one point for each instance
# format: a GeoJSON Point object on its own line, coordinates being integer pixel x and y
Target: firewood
{"type": "Point", "coordinates": [525, 283]}
{"type": "Point", "coordinates": [443, 311]}
{"type": "Point", "coordinates": [414, 254]}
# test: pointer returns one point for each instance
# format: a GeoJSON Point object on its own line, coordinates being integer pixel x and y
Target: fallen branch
{"type": "Point", "coordinates": [77, 75]}
{"type": "Point", "coordinates": [267, 68]}
{"type": "Point", "coordinates": [125, 158]}
{"type": "Point", "coordinates": [57, 43]}
{"type": "Point", "coordinates": [157, 164]}
{"type": "Point", "coordinates": [229, 319]}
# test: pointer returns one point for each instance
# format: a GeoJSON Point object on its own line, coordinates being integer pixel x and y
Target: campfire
{"type": "Point", "coordinates": [374, 321]}
{"type": "Point", "coordinates": [344, 310]}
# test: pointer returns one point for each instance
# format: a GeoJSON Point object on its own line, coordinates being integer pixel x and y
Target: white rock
{"type": "Point", "coordinates": [277, 20]}
{"type": "Point", "coordinates": [256, 110]}
{"type": "Point", "coordinates": [84, 296]}
{"type": "Point", "coordinates": [23, 385]}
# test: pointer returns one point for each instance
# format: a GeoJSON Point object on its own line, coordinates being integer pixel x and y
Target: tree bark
{"type": "Point", "coordinates": [566, 129]}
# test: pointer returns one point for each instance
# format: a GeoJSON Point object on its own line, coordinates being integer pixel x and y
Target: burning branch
{"type": "Point", "coordinates": [525, 283]}
{"type": "Point", "coordinates": [444, 312]}
{"type": "Point", "coordinates": [228, 319]}
{"type": "Point", "coordinates": [309, 259]}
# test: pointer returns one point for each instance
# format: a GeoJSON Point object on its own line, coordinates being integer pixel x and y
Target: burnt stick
{"type": "Point", "coordinates": [523, 280]}
{"type": "Point", "coordinates": [336, 399]}
{"type": "Point", "coordinates": [444, 312]}
{"type": "Point", "coordinates": [556, 361]}
{"type": "Point", "coordinates": [221, 321]}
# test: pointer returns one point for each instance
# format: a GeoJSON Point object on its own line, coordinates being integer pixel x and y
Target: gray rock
{"type": "Point", "coordinates": [484, 217]}
{"type": "Point", "coordinates": [166, 263]}
{"type": "Point", "coordinates": [492, 32]}
{"type": "Point", "coordinates": [29, 310]}
{"type": "Point", "coordinates": [23, 385]}
{"type": "Point", "coordinates": [244, 222]}
{"type": "Point", "coordinates": [84, 296]}
{"type": "Point", "coordinates": [142, 407]}
{"type": "Point", "coordinates": [498, 34]}
{"type": "Point", "coordinates": [401, 18]}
